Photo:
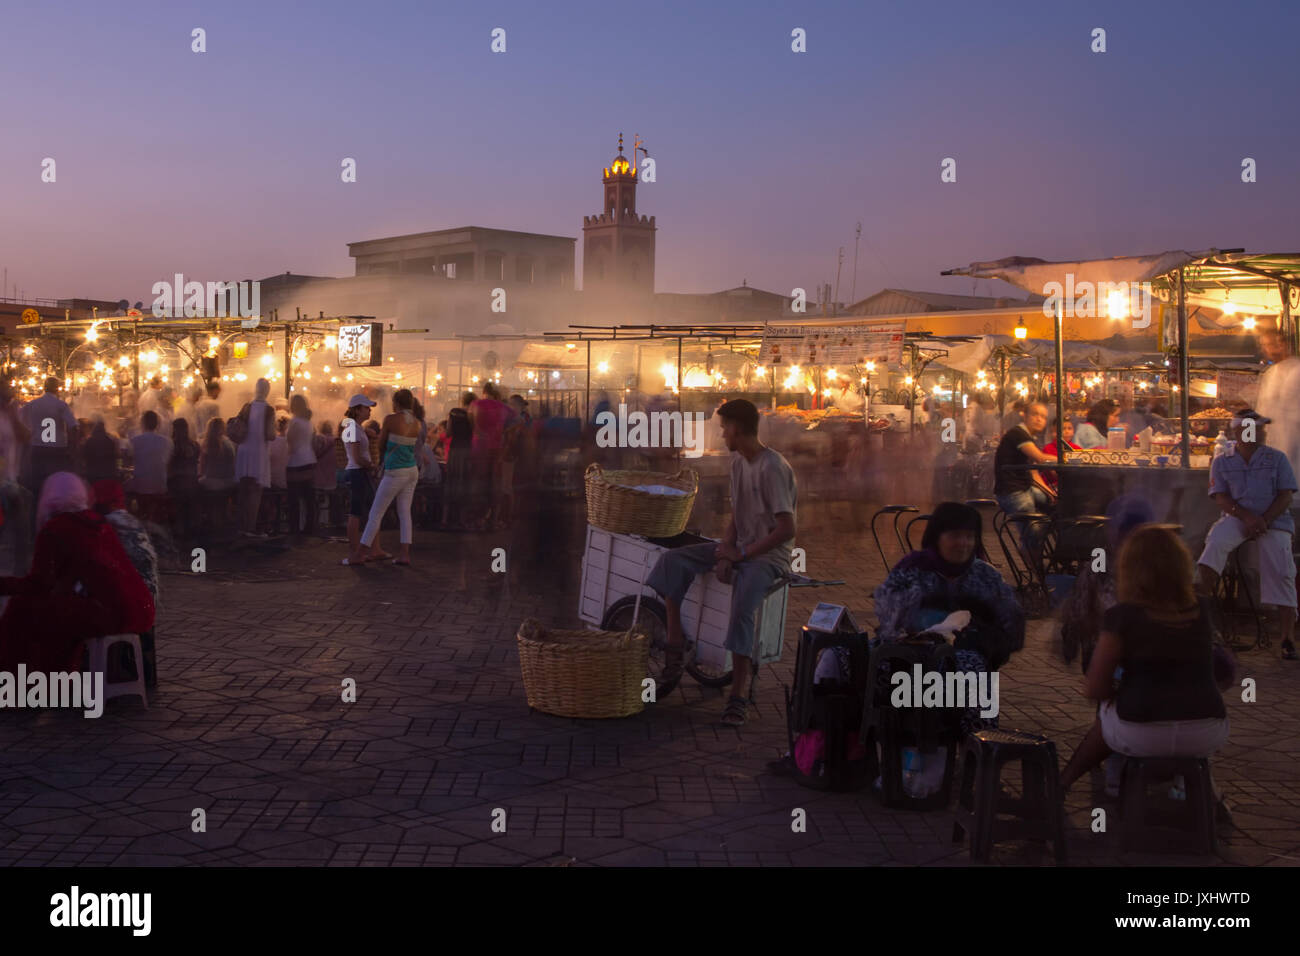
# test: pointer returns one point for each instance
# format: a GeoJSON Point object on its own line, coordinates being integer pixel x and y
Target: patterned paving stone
{"type": "Point", "coordinates": [249, 724]}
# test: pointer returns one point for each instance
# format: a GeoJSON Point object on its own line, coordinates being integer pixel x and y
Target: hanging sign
{"type": "Point", "coordinates": [31, 316]}
{"type": "Point", "coordinates": [361, 344]}
{"type": "Point", "coordinates": [879, 342]}
{"type": "Point", "coordinates": [1237, 387]}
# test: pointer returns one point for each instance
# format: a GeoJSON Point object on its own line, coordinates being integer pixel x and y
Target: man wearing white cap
{"type": "Point", "coordinates": [360, 493]}
{"type": "Point", "coordinates": [1254, 486]}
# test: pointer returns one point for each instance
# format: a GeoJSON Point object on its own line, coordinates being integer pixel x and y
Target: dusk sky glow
{"type": "Point", "coordinates": [225, 165]}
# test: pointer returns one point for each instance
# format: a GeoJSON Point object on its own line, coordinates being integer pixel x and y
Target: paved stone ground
{"type": "Point", "coordinates": [248, 724]}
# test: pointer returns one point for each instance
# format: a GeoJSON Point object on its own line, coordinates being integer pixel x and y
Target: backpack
{"type": "Point", "coordinates": [824, 717]}
{"type": "Point", "coordinates": [237, 427]}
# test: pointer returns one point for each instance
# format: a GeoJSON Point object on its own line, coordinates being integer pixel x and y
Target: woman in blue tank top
{"type": "Point", "coordinates": [397, 440]}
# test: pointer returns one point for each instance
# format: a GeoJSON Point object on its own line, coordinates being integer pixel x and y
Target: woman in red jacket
{"type": "Point", "coordinates": [82, 585]}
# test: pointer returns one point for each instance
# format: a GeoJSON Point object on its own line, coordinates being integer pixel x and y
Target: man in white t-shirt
{"type": "Point", "coordinates": [753, 554]}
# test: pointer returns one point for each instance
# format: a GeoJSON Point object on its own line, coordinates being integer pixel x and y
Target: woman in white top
{"type": "Point", "coordinates": [252, 462]}
{"type": "Point", "coordinates": [302, 468]}
{"type": "Point", "coordinates": [397, 442]}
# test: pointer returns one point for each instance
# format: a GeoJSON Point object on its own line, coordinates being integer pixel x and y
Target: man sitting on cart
{"type": "Point", "coordinates": [753, 553]}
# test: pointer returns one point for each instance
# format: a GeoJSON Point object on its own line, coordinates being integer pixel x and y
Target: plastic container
{"type": "Point", "coordinates": [1117, 438]}
{"type": "Point", "coordinates": [1220, 444]}
{"type": "Point", "coordinates": [913, 763]}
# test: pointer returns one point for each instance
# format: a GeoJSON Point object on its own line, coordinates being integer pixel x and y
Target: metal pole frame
{"type": "Point", "coordinates": [911, 390]}
{"type": "Point", "coordinates": [1286, 319]}
{"type": "Point", "coordinates": [1002, 384]}
{"type": "Point", "coordinates": [1058, 334]}
{"type": "Point", "coordinates": [1183, 372]}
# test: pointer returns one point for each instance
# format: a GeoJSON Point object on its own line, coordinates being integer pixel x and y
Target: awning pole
{"type": "Point", "coordinates": [1183, 377]}
{"type": "Point", "coordinates": [1287, 320]}
{"type": "Point", "coordinates": [587, 413]}
{"type": "Point", "coordinates": [1060, 382]}
{"type": "Point", "coordinates": [460, 375]}
{"type": "Point", "coordinates": [911, 391]}
{"type": "Point", "coordinates": [1002, 385]}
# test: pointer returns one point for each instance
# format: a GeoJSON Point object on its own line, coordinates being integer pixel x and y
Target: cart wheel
{"type": "Point", "coordinates": [653, 621]}
{"type": "Point", "coordinates": [708, 676]}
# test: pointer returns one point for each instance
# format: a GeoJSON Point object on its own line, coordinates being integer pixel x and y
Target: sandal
{"type": "Point", "coordinates": [736, 713]}
{"type": "Point", "coordinates": [1288, 651]}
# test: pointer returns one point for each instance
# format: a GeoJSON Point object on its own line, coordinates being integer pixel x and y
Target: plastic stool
{"type": "Point", "coordinates": [97, 649]}
{"type": "Point", "coordinates": [1200, 803]}
{"type": "Point", "coordinates": [1040, 812]}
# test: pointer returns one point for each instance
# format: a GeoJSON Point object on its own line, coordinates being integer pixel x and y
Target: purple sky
{"type": "Point", "coordinates": [226, 165]}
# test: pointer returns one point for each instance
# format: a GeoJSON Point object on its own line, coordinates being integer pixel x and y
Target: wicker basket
{"type": "Point", "coordinates": [614, 504]}
{"type": "Point", "coordinates": [583, 673]}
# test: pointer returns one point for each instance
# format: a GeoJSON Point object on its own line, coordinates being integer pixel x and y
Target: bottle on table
{"type": "Point", "coordinates": [1220, 444]}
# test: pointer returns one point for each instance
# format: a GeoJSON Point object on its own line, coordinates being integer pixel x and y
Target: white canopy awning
{"type": "Point", "coordinates": [1034, 275]}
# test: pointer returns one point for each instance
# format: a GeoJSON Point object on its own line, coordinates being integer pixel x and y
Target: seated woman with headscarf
{"type": "Point", "coordinates": [946, 576]}
{"type": "Point", "coordinates": [110, 501]}
{"type": "Point", "coordinates": [82, 585]}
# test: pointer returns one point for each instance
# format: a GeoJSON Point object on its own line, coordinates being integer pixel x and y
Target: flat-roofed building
{"type": "Point", "coordinates": [471, 254]}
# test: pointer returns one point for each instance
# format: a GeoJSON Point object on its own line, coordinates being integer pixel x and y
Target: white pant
{"type": "Point", "coordinates": [1276, 564]}
{"type": "Point", "coordinates": [1161, 738]}
{"type": "Point", "coordinates": [399, 484]}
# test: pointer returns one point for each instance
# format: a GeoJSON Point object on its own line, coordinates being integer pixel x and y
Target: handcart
{"type": "Point", "coordinates": [614, 597]}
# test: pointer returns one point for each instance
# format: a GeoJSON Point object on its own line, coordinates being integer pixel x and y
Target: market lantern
{"type": "Point", "coordinates": [241, 350]}
{"type": "Point", "coordinates": [1022, 332]}
{"type": "Point", "coordinates": [1117, 304]}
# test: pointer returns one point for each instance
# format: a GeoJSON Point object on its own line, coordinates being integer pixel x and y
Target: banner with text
{"type": "Point", "coordinates": [857, 344]}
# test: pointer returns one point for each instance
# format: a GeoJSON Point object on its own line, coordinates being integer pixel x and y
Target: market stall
{"type": "Point", "coordinates": [1170, 468]}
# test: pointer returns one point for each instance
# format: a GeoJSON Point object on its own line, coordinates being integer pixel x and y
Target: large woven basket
{"type": "Point", "coordinates": [614, 504]}
{"type": "Point", "coordinates": [582, 673]}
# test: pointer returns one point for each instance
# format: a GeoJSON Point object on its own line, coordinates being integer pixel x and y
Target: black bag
{"type": "Point", "coordinates": [833, 707]}
{"type": "Point", "coordinates": [926, 729]}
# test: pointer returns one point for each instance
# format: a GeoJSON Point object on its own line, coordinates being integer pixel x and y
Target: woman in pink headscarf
{"type": "Point", "coordinates": [81, 585]}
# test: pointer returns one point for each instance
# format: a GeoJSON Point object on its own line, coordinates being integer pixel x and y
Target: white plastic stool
{"type": "Point", "coordinates": [98, 647]}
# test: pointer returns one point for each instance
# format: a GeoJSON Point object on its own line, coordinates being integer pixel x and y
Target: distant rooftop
{"type": "Point", "coordinates": [890, 301]}
{"type": "Point", "coordinates": [456, 235]}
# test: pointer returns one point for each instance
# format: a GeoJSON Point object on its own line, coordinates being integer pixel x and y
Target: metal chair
{"type": "Point", "coordinates": [983, 505]}
{"type": "Point", "coordinates": [897, 511]}
{"type": "Point", "coordinates": [1030, 575]}
{"type": "Point", "coordinates": [907, 531]}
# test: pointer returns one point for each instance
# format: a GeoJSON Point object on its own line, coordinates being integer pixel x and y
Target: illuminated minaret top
{"type": "Point", "coordinates": [618, 246]}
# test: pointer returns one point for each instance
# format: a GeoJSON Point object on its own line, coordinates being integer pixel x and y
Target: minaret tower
{"type": "Point", "coordinates": [618, 246]}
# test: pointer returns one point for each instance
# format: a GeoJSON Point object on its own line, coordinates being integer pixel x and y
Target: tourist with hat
{"type": "Point", "coordinates": [1253, 485]}
{"type": "Point", "coordinates": [360, 492]}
